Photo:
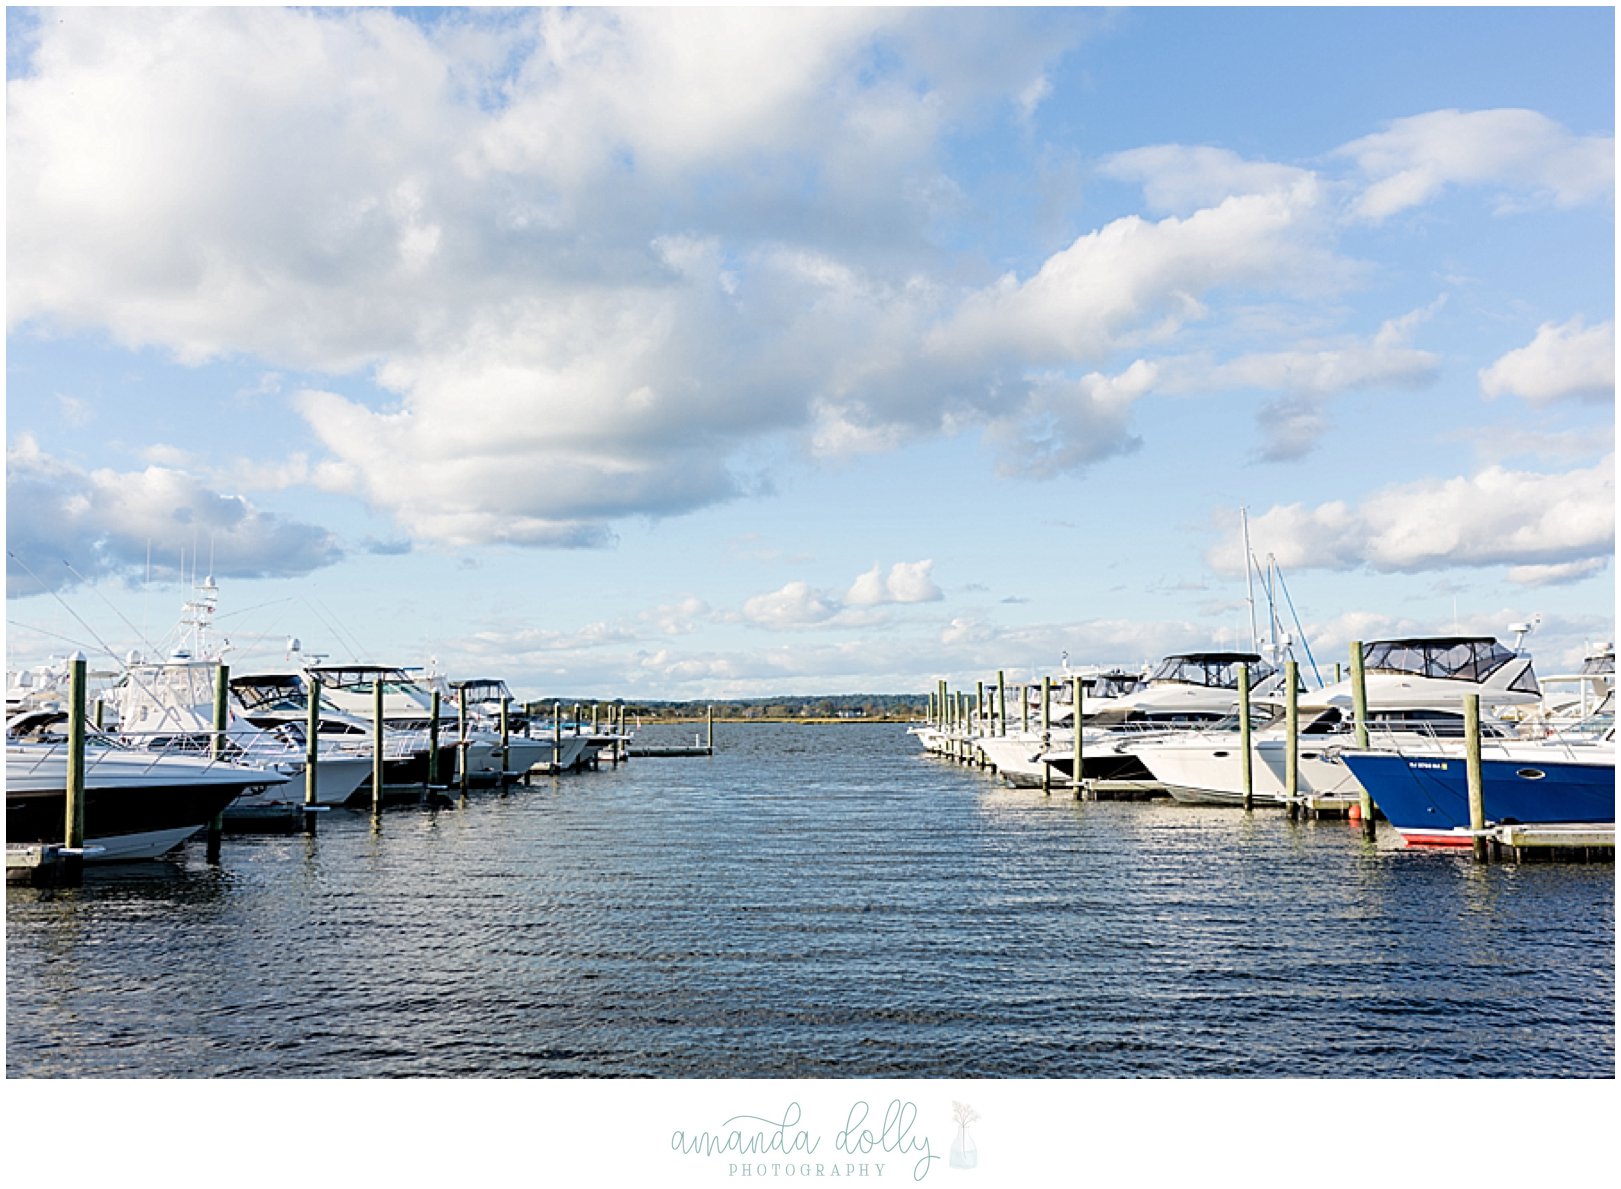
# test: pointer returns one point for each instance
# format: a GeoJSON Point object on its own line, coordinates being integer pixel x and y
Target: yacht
{"type": "Point", "coordinates": [139, 803]}
{"type": "Point", "coordinates": [1016, 755]}
{"type": "Point", "coordinates": [407, 707]}
{"type": "Point", "coordinates": [1187, 690]}
{"type": "Point", "coordinates": [1414, 686]}
{"type": "Point", "coordinates": [1421, 784]}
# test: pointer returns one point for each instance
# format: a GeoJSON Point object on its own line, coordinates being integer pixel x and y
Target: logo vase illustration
{"type": "Point", "coordinates": [964, 1152]}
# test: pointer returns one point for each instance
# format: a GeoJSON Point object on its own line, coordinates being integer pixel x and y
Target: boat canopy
{"type": "Point", "coordinates": [483, 689]}
{"type": "Point", "coordinates": [1601, 665]}
{"type": "Point", "coordinates": [1214, 670]}
{"type": "Point", "coordinates": [280, 691]}
{"type": "Point", "coordinates": [1112, 685]}
{"type": "Point", "coordinates": [1449, 658]}
{"type": "Point", "coordinates": [363, 677]}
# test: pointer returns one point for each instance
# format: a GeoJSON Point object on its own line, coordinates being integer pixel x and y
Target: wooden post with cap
{"type": "Point", "coordinates": [216, 750]}
{"type": "Point", "coordinates": [1076, 757]}
{"type": "Point", "coordinates": [1246, 768]}
{"type": "Point", "coordinates": [1359, 719]}
{"type": "Point", "coordinates": [73, 813]}
{"type": "Point", "coordinates": [1474, 774]}
{"type": "Point", "coordinates": [312, 753]}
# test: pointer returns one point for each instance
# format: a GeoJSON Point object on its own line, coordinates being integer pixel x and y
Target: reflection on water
{"type": "Point", "coordinates": [813, 901]}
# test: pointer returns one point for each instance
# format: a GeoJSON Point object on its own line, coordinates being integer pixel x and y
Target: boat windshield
{"type": "Point", "coordinates": [483, 689]}
{"type": "Point", "coordinates": [269, 693]}
{"type": "Point", "coordinates": [1113, 685]}
{"type": "Point", "coordinates": [362, 678]}
{"type": "Point", "coordinates": [1450, 659]}
{"type": "Point", "coordinates": [1599, 666]}
{"type": "Point", "coordinates": [1215, 670]}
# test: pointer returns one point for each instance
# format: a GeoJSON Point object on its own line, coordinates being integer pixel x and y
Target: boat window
{"type": "Point", "coordinates": [1326, 723]}
{"type": "Point", "coordinates": [1599, 666]}
{"type": "Point", "coordinates": [1217, 670]}
{"type": "Point", "coordinates": [1455, 659]}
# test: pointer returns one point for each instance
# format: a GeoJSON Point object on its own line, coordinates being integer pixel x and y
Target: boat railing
{"type": "Point", "coordinates": [1422, 739]}
{"type": "Point", "coordinates": [102, 748]}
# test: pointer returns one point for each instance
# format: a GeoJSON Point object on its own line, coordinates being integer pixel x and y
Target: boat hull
{"type": "Point", "coordinates": [1426, 798]}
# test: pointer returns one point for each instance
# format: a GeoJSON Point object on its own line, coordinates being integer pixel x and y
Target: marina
{"type": "Point", "coordinates": [812, 901]}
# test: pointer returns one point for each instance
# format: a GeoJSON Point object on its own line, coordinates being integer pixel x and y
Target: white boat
{"type": "Point", "coordinates": [485, 697]}
{"type": "Point", "coordinates": [139, 804]}
{"type": "Point", "coordinates": [407, 707]}
{"type": "Point", "coordinates": [1415, 688]}
{"type": "Point", "coordinates": [1187, 690]}
{"type": "Point", "coordinates": [169, 705]}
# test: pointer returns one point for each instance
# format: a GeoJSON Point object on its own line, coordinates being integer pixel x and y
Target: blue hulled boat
{"type": "Point", "coordinates": [1425, 794]}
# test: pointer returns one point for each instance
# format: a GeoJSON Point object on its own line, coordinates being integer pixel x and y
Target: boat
{"type": "Point", "coordinates": [1422, 787]}
{"type": "Point", "coordinates": [168, 706]}
{"type": "Point", "coordinates": [139, 804]}
{"type": "Point", "coordinates": [528, 747]}
{"type": "Point", "coordinates": [1016, 755]}
{"type": "Point", "coordinates": [1415, 686]}
{"type": "Point", "coordinates": [1187, 690]}
{"type": "Point", "coordinates": [408, 707]}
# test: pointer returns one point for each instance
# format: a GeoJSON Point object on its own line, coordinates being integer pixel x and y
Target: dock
{"type": "Point", "coordinates": [1553, 843]}
{"type": "Point", "coordinates": [46, 865]}
{"type": "Point", "coordinates": [637, 752]}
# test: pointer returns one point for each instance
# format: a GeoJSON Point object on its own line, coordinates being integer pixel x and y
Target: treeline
{"type": "Point", "coordinates": [869, 707]}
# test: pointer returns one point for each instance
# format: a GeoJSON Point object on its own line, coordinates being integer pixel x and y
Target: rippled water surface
{"type": "Point", "coordinates": [814, 901]}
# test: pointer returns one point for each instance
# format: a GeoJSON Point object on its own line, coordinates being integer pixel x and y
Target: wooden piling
{"type": "Point", "coordinates": [1359, 716]}
{"type": "Point", "coordinates": [1076, 757]}
{"type": "Point", "coordinates": [1474, 773]}
{"type": "Point", "coordinates": [435, 708]}
{"type": "Point", "coordinates": [1024, 709]}
{"type": "Point", "coordinates": [463, 743]}
{"type": "Point", "coordinates": [377, 748]}
{"type": "Point", "coordinates": [1001, 703]}
{"type": "Point", "coordinates": [1291, 710]}
{"type": "Point", "coordinates": [557, 736]}
{"type": "Point", "coordinates": [506, 740]}
{"type": "Point", "coordinates": [312, 752]}
{"type": "Point", "coordinates": [1248, 772]}
{"type": "Point", "coordinates": [709, 725]}
{"type": "Point", "coordinates": [73, 825]}
{"type": "Point", "coordinates": [222, 713]}
{"type": "Point", "coordinates": [98, 713]}
{"type": "Point", "coordinates": [1046, 731]}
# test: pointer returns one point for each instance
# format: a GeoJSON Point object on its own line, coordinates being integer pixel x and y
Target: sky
{"type": "Point", "coordinates": [679, 354]}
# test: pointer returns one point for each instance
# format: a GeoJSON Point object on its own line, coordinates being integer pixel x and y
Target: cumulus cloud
{"type": "Point", "coordinates": [1546, 527]}
{"type": "Point", "coordinates": [799, 605]}
{"type": "Point", "coordinates": [1522, 153]}
{"type": "Point", "coordinates": [1180, 179]}
{"type": "Point", "coordinates": [907, 582]}
{"type": "Point", "coordinates": [1563, 361]}
{"type": "Point", "coordinates": [107, 524]}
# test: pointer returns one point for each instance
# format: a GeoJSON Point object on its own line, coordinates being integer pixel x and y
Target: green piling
{"type": "Point", "coordinates": [73, 824]}
{"type": "Point", "coordinates": [216, 750]}
{"type": "Point", "coordinates": [377, 748]}
{"type": "Point", "coordinates": [1244, 735]}
{"type": "Point", "coordinates": [1474, 774]}
{"type": "Point", "coordinates": [1291, 710]}
{"type": "Point", "coordinates": [312, 752]}
{"type": "Point", "coordinates": [1076, 756]}
{"type": "Point", "coordinates": [1359, 718]}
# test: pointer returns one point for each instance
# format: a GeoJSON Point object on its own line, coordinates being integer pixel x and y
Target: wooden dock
{"type": "Point", "coordinates": [636, 752]}
{"type": "Point", "coordinates": [46, 865]}
{"type": "Point", "coordinates": [1574, 843]}
{"type": "Point", "coordinates": [1120, 790]}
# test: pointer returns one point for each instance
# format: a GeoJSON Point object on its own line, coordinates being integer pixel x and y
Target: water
{"type": "Point", "coordinates": [814, 901]}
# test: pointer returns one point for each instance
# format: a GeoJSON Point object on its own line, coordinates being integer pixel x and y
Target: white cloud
{"type": "Point", "coordinates": [1180, 179]}
{"type": "Point", "coordinates": [908, 582]}
{"type": "Point", "coordinates": [795, 605]}
{"type": "Point", "coordinates": [1524, 152]}
{"type": "Point", "coordinates": [1519, 519]}
{"type": "Point", "coordinates": [105, 523]}
{"type": "Point", "coordinates": [1569, 361]}
{"type": "Point", "coordinates": [1134, 281]}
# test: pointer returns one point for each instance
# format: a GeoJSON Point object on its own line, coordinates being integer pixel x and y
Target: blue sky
{"type": "Point", "coordinates": [676, 354]}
